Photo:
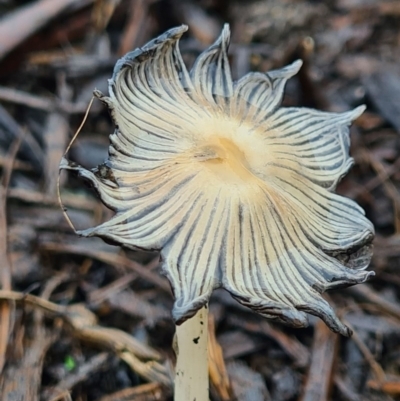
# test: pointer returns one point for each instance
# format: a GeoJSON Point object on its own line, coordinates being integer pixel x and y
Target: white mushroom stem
{"type": "Point", "coordinates": [191, 377]}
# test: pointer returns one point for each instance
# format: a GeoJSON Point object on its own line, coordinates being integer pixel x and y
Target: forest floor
{"type": "Point", "coordinates": [84, 320]}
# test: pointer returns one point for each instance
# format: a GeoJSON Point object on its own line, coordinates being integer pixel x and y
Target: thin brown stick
{"type": "Point", "coordinates": [64, 160]}
{"type": "Point", "coordinates": [16, 96]}
{"type": "Point", "coordinates": [109, 258]}
{"type": "Point", "coordinates": [151, 391]}
{"type": "Point", "coordinates": [29, 19]}
{"type": "Point", "coordinates": [216, 365]}
{"type": "Point", "coordinates": [375, 366]}
{"type": "Point", "coordinates": [5, 308]}
{"type": "Point", "coordinates": [92, 366]}
{"type": "Point", "coordinates": [319, 379]}
{"type": "Point", "coordinates": [133, 27]}
{"type": "Point", "coordinates": [55, 137]}
{"type": "Point", "coordinates": [141, 358]}
{"type": "Point", "coordinates": [367, 294]}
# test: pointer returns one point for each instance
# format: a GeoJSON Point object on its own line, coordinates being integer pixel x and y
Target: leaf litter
{"type": "Point", "coordinates": [108, 308]}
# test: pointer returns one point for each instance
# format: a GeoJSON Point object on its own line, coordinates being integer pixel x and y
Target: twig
{"type": "Point", "coordinates": [216, 365]}
{"type": "Point", "coordinates": [375, 366]}
{"type": "Point", "coordinates": [141, 358]}
{"type": "Point", "coordinates": [151, 391]}
{"type": "Point", "coordinates": [39, 102]}
{"type": "Point", "coordinates": [30, 19]}
{"type": "Point", "coordinates": [389, 187]}
{"type": "Point", "coordinates": [5, 308]}
{"type": "Point", "coordinates": [93, 365]}
{"type": "Point", "coordinates": [101, 294]}
{"type": "Point", "coordinates": [30, 147]}
{"type": "Point", "coordinates": [72, 201]}
{"type": "Point", "coordinates": [293, 347]}
{"type": "Point", "coordinates": [110, 259]}
{"type": "Point", "coordinates": [391, 387]}
{"type": "Point", "coordinates": [319, 378]}
{"type": "Point", "coordinates": [134, 26]}
{"type": "Point", "coordinates": [55, 139]}
{"type": "Point", "coordinates": [368, 294]}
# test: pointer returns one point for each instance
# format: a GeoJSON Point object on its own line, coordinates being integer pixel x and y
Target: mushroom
{"type": "Point", "coordinates": [232, 189]}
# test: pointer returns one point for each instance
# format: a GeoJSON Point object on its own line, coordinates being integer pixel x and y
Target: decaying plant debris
{"type": "Point", "coordinates": [50, 279]}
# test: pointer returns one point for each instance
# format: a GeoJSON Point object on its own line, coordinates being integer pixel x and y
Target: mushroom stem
{"type": "Point", "coordinates": [191, 377]}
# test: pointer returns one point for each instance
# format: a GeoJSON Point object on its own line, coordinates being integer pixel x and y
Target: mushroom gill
{"type": "Point", "coordinates": [234, 190]}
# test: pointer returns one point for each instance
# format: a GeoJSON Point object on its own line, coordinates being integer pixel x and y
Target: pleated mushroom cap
{"type": "Point", "coordinates": [234, 190]}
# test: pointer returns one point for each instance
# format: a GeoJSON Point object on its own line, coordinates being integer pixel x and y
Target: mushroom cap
{"type": "Point", "coordinates": [233, 190]}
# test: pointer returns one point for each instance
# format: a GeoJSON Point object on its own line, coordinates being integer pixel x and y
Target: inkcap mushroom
{"type": "Point", "coordinates": [234, 190]}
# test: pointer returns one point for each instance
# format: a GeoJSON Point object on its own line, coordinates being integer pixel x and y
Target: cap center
{"type": "Point", "coordinates": [224, 157]}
